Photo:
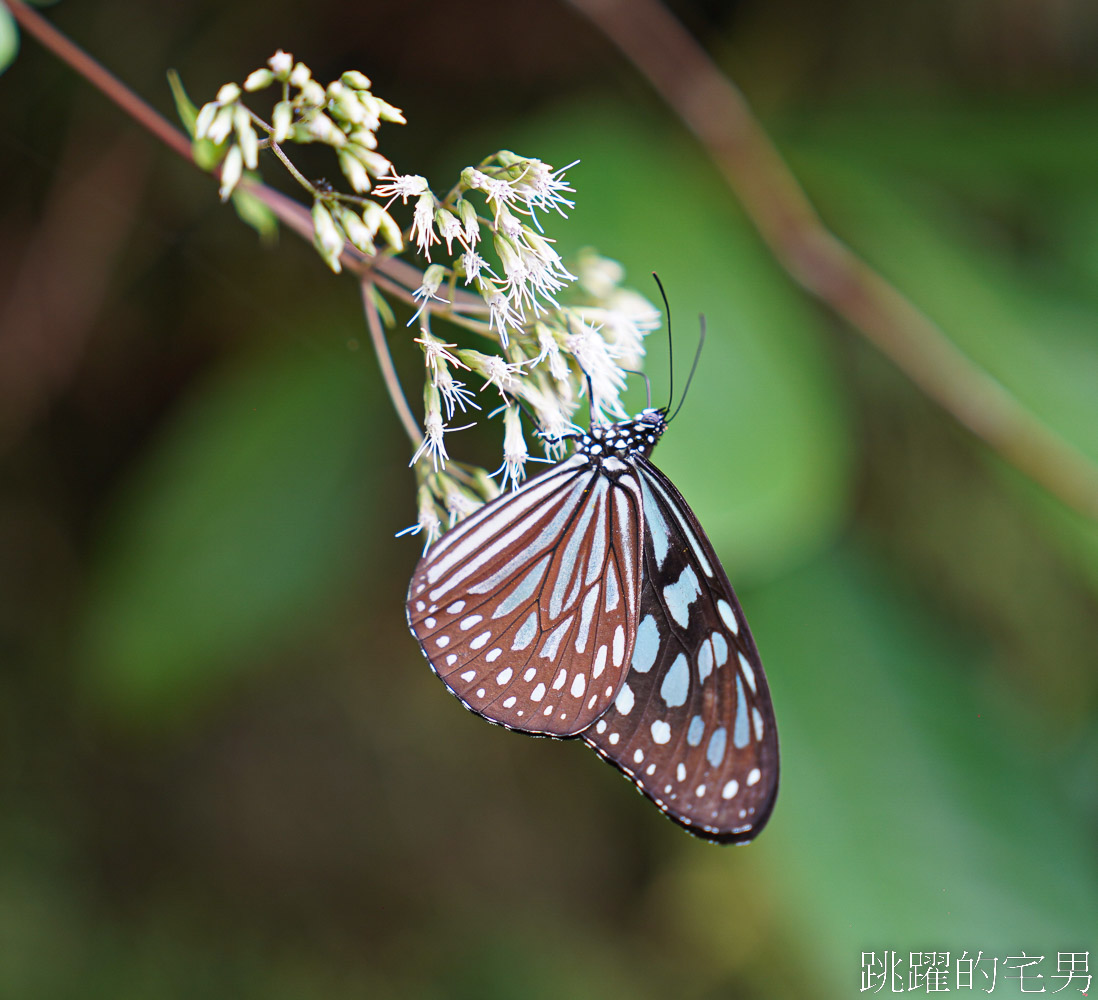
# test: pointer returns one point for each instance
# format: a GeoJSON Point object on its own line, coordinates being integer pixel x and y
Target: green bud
{"type": "Point", "coordinates": [232, 168]}
{"type": "Point", "coordinates": [205, 119]}
{"type": "Point", "coordinates": [380, 221]}
{"type": "Point", "coordinates": [312, 94]}
{"type": "Point", "coordinates": [354, 170]}
{"type": "Point", "coordinates": [228, 93]}
{"type": "Point", "coordinates": [357, 231]}
{"type": "Point", "coordinates": [387, 113]}
{"type": "Point", "coordinates": [283, 120]}
{"type": "Point", "coordinates": [300, 75]}
{"type": "Point", "coordinates": [377, 164]}
{"type": "Point", "coordinates": [326, 236]}
{"type": "Point", "coordinates": [356, 80]}
{"type": "Point", "coordinates": [259, 79]}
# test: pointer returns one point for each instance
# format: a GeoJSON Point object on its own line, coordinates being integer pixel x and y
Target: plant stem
{"type": "Point", "coordinates": [385, 362]}
{"type": "Point", "coordinates": [717, 113]}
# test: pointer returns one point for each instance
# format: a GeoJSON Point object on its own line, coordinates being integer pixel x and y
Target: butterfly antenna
{"type": "Point", "coordinates": [647, 385]}
{"type": "Point", "coordinates": [693, 367]}
{"type": "Point", "coordinates": [670, 346]}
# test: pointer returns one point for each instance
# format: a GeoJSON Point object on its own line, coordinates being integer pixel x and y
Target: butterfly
{"type": "Point", "coordinates": [589, 603]}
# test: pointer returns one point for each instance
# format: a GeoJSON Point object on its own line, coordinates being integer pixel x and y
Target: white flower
{"type": "Point", "coordinates": [432, 281]}
{"type": "Point", "coordinates": [281, 63]}
{"type": "Point", "coordinates": [501, 312]}
{"type": "Point", "coordinates": [502, 374]}
{"type": "Point", "coordinates": [624, 323]}
{"type": "Point", "coordinates": [402, 186]}
{"type": "Point", "coordinates": [432, 443]}
{"type": "Point", "coordinates": [453, 393]}
{"type": "Point", "coordinates": [497, 191]}
{"type": "Point", "coordinates": [460, 505]}
{"type": "Point", "coordinates": [515, 452]}
{"type": "Point", "coordinates": [599, 276]}
{"type": "Point", "coordinates": [469, 220]}
{"type": "Point", "coordinates": [435, 350]}
{"type": "Point", "coordinates": [542, 187]}
{"type": "Point", "coordinates": [449, 225]}
{"type": "Point", "coordinates": [473, 263]}
{"type": "Point", "coordinates": [427, 521]}
{"type": "Point", "coordinates": [423, 229]}
{"type": "Point", "coordinates": [550, 349]}
{"type": "Point", "coordinates": [605, 377]}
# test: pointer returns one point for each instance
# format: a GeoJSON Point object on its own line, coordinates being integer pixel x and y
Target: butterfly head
{"type": "Point", "coordinates": [625, 439]}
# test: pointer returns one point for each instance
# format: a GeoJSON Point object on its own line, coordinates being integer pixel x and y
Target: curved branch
{"type": "Point", "coordinates": [716, 112]}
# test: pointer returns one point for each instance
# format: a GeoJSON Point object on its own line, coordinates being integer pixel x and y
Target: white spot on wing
{"type": "Point", "coordinates": [680, 595]}
{"type": "Point", "coordinates": [468, 623]}
{"type": "Point", "coordinates": [730, 789]}
{"type": "Point", "coordinates": [624, 701]}
{"type": "Point", "coordinates": [526, 633]}
{"type": "Point", "coordinates": [676, 683]}
{"type": "Point", "coordinates": [480, 640]}
{"type": "Point", "coordinates": [728, 615]}
{"type": "Point", "coordinates": [741, 735]}
{"type": "Point", "coordinates": [468, 675]}
{"type": "Point", "coordinates": [538, 693]}
{"type": "Point", "coordinates": [600, 662]}
{"type": "Point", "coordinates": [646, 645]}
{"type": "Point", "coordinates": [504, 675]}
{"type": "Point", "coordinates": [715, 751]}
{"type": "Point", "coordinates": [661, 731]}
{"type": "Point", "coordinates": [619, 646]}
{"type": "Point", "coordinates": [579, 684]}
{"type": "Point", "coordinates": [748, 673]}
{"type": "Point", "coordinates": [753, 777]}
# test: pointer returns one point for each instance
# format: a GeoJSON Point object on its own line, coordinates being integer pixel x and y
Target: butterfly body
{"type": "Point", "coordinates": [589, 603]}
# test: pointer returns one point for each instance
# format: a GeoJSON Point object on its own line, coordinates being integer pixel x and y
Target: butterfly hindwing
{"type": "Point", "coordinates": [527, 610]}
{"type": "Point", "coordinates": [693, 725]}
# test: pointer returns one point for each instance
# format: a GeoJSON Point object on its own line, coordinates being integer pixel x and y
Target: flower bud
{"type": "Point", "coordinates": [258, 79]}
{"type": "Point", "coordinates": [228, 93]}
{"type": "Point", "coordinates": [326, 236]}
{"type": "Point", "coordinates": [231, 170]}
{"type": "Point", "coordinates": [281, 63]}
{"type": "Point", "coordinates": [354, 171]}
{"type": "Point", "coordinates": [283, 120]}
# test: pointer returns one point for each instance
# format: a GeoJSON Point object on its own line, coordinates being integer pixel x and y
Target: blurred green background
{"type": "Point", "coordinates": [227, 770]}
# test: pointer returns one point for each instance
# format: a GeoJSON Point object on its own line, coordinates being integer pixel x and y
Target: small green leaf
{"type": "Point", "coordinates": [255, 213]}
{"type": "Point", "coordinates": [184, 106]}
{"type": "Point", "coordinates": [9, 38]}
{"type": "Point", "coordinates": [231, 536]}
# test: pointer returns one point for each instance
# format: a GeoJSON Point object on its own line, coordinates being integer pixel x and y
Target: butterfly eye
{"type": "Point", "coordinates": [589, 603]}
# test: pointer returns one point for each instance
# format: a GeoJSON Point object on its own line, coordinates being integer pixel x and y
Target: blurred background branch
{"type": "Point", "coordinates": [714, 109]}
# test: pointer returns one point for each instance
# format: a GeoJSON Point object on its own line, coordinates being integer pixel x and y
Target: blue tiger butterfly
{"type": "Point", "coordinates": [589, 603]}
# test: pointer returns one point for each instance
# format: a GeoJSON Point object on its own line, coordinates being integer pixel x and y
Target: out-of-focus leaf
{"type": "Point", "coordinates": [760, 450]}
{"type": "Point", "coordinates": [1041, 346]}
{"type": "Point", "coordinates": [184, 106]}
{"type": "Point", "coordinates": [9, 38]}
{"type": "Point", "coordinates": [255, 213]}
{"type": "Point", "coordinates": [921, 809]}
{"type": "Point", "coordinates": [232, 534]}
{"type": "Point", "coordinates": [984, 147]}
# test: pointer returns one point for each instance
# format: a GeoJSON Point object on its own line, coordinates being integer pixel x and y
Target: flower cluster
{"type": "Point", "coordinates": [550, 335]}
{"type": "Point", "coordinates": [344, 115]}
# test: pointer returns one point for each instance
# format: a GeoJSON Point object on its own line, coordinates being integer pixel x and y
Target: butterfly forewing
{"type": "Point", "coordinates": [693, 725]}
{"type": "Point", "coordinates": [528, 609]}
